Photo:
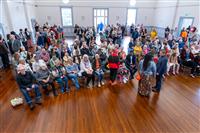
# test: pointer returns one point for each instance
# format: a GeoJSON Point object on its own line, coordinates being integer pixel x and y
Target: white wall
{"type": "Point", "coordinates": [83, 16]}
{"type": "Point", "coordinates": [189, 11]}
{"type": "Point", "coordinates": [167, 13]}
{"type": "Point", "coordinates": [83, 11]}
{"type": "Point", "coordinates": [160, 13]}
{"type": "Point", "coordinates": [16, 14]}
{"type": "Point", "coordinates": [49, 14]}
{"type": "Point", "coordinates": [4, 17]}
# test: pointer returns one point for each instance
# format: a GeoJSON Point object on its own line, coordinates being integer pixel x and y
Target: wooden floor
{"type": "Point", "coordinates": [109, 109]}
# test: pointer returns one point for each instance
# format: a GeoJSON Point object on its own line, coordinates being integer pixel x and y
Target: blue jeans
{"type": "Point", "coordinates": [99, 75]}
{"type": "Point", "coordinates": [63, 83]}
{"type": "Point", "coordinates": [74, 79]}
{"type": "Point", "coordinates": [27, 96]}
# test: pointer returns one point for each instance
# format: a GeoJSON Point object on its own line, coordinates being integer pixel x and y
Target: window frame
{"type": "Point", "coordinates": [72, 16]}
{"type": "Point", "coordinates": [100, 14]}
{"type": "Point", "coordinates": [135, 15]}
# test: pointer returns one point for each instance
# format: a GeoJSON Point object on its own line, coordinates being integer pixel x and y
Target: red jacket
{"type": "Point", "coordinates": [113, 61]}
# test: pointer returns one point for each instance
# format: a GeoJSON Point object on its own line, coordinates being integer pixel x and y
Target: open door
{"type": "Point", "coordinates": [184, 22]}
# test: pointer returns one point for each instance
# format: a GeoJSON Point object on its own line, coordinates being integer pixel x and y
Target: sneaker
{"type": "Point", "coordinates": [31, 106]}
{"type": "Point", "coordinates": [155, 90]}
{"type": "Point", "coordinates": [192, 75]}
{"type": "Point", "coordinates": [99, 85]}
{"type": "Point", "coordinates": [114, 83]}
{"type": "Point", "coordinates": [39, 101]}
{"type": "Point", "coordinates": [67, 90]}
{"type": "Point", "coordinates": [102, 83]}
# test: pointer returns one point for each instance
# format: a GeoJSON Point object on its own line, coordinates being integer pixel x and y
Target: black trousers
{"type": "Point", "coordinates": [89, 78]}
{"type": "Point", "coordinates": [113, 74]}
{"type": "Point", "coordinates": [192, 65]}
{"type": "Point", "coordinates": [5, 60]}
{"type": "Point", "coordinates": [132, 72]}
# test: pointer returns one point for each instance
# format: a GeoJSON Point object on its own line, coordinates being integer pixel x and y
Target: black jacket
{"type": "Point", "coordinates": [128, 61]}
{"type": "Point", "coordinates": [25, 81]}
{"type": "Point", "coordinates": [94, 64]}
{"type": "Point", "coordinates": [3, 48]}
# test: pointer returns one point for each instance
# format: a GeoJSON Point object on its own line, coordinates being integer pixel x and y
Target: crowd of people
{"type": "Point", "coordinates": [53, 61]}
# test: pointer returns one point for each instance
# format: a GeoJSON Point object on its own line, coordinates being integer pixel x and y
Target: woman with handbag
{"type": "Point", "coordinates": [147, 70]}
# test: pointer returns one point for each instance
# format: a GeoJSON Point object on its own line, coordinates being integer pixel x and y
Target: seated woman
{"type": "Point", "coordinates": [23, 53]}
{"type": "Point", "coordinates": [187, 59]}
{"type": "Point", "coordinates": [27, 66]}
{"type": "Point", "coordinates": [44, 55]}
{"type": "Point", "coordinates": [87, 71]}
{"type": "Point", "coordinates": [59, 73]}
{"type": "Point", "coordinates": [44, 78]}
{"type": "Point", "coordinates": [65, 58]}
{"type": "Point", "coordinates": [97, 67]}
{"type": "Point", "coordinates": [26, 82]}
{"type": "Point", "coordinates": [72, 72]}
{"type": "Point", "coordinates": [173, 62]}
{"type": "Point", "coordinates": [76, 54]}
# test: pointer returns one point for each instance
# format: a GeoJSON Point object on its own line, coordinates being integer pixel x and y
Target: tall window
{"type": "Point", "coordinates": [131, 17]}
{"type": "Point", "coordinates": [100, 16]}
{"type": "Point", "coordinates": [66, 14]}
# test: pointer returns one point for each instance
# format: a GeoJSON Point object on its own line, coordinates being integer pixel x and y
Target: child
{"type": "Point", "coordinates": [173, 62]}
{"type": "Point", "coordinates": [123, 74]}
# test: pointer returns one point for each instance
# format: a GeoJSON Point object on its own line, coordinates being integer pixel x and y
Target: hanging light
{"type": "Point", "coordinates": [132, 2]}
{"type": "Point", "coordinates": [65, 1]}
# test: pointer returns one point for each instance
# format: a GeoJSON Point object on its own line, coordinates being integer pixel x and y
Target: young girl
{"type": "Point", "coordinates": [123, 72]}
{"type": "Point", "coordinates": [173, 62]}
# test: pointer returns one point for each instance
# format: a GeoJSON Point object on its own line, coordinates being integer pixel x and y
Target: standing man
{"type": "Point", "coordinates": [15, 44]}
{"type": "Point", "coordinates": [131, 64]}
{"type": "Point", "coordinates": [161, 69]}
{"type": "Point", "coordinates": [4, 53]}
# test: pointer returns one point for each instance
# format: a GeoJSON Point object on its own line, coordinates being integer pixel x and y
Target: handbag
{"type": "Point", "coordinates": [138, 77]}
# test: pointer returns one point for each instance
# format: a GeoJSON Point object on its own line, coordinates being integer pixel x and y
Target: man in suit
{"type": "Point", "coordinates": [161, 69]}
{"type": "Point", "coordinates": [131, 64]}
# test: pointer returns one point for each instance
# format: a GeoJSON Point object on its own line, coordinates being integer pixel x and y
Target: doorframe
{"type": "Point", "coordinates": [135, 16]}
{"type": "Point", "coordinates": [108, 22]}
{"type": "Point", "coordinates": [181, 18]}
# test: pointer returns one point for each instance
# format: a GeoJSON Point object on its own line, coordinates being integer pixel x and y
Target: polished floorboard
{"type": "Point", "coordinates": [116, 109]}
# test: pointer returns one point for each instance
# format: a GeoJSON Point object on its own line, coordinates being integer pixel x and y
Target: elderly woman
{"type": "Point", "coordinates": [86, 70]}
{"type": "Point", "coordinates": [72, 72]}
{"type": "Point", "coordinates": [44, 78]}
{"type": "Point", "coordinates": [26, 82]}
{"type": "Point", "coordinates": [96, 65]}
{"type": "Point", "coordinates": [59, 73]}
